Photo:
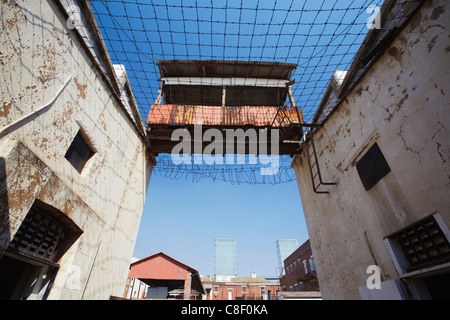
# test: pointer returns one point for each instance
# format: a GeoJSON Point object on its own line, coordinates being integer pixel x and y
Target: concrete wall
{"type": "Point", "coordinates": [43, 60]}
{"type": "Point", "coordinates": [402, 103]}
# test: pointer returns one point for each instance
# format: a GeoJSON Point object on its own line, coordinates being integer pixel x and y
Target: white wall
{"type": "Point", "coordinates": [39, 54]}
{"type": "Point", "coordinates": [402, 103]}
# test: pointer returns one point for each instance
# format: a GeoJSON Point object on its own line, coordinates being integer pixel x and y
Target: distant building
{"type": "Point", "coordinates": [162, 277]}
{"type": "Point", "coordinates": [300, 271]}
{"type": "Point", "coordinates": [240, 289]}
{"type": "Point", "coordinates": [225, 259]}
{"type": "Point", "coordinates": [284, 248]}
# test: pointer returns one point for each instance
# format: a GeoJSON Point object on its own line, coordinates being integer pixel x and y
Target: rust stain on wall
{"type": "Point", "coordinates": [437, 12]}
{"type": "Point", "coordinates": [4, 112]}
{"type": "Point", "coordinates": [395, 53]}
{"type": "Point", "coordinates": [19, 17]}
{"type": "Point", "coordinates": [81, 88]}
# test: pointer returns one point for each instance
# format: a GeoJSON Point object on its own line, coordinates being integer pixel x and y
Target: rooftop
{"type": "Point", "coordinates": [240, 280]}
{"type": "Point", "coordinates": [223, 68]}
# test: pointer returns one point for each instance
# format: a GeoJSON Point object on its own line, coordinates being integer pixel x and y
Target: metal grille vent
{"type": "Point", "coordinates": [38, 236]}
{"type": "Point", "coordinates": [424, 244]}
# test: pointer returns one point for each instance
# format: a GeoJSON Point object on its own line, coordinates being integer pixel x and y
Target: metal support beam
{"type": "Point", "coordinates": [224, 96]}
{"type": "Point", "coordinates": [160, 93]}
{"type": "Point", "coordinates": [219, 82]}
{"type": "Point", "coordinates": [291, 97]}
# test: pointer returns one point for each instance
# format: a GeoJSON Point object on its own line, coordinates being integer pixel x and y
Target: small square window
{"type": "Point", "coordinates": [79, 152]}
{"type": "Point", "coordinates": [372, 167]}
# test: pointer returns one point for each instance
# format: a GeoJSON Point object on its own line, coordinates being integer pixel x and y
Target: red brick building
{"type": "Point", "coordinates": [241, 289]}
{"type": "Point", "coordinates": [160, 275]}
{"type": "Point", "coordinates": [300, 272]}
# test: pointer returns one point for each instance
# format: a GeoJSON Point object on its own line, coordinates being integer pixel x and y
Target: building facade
{"type": "Point", "coordinates": [300, 271]}
{"type": "Point", "coordinates": [382, 231]}
{"type": "Point", "coordinates": [225, 259]}
{"type": "Point", "coordinates": [74, 165]}
{"type": "Point", "coordinates": [285, 247]}
{"type": "Point", "coordinates": [240, 289]}
{"type": "Point", "coordinates": [162, 277]}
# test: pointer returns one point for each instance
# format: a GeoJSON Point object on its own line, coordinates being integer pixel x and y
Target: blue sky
{"type": "Point", "coordinates": [182, 218]}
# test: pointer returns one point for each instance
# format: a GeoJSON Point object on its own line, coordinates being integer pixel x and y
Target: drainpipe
{"type": "Point", "coordinates": [190, 286]}
{"type": "Point", "coordinates": [90, 271]}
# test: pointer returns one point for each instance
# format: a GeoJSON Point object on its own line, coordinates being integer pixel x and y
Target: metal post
{"type": "Point", "coordinates": [224, 96]}
{"type": "Point", "coordinates": [160, 93]}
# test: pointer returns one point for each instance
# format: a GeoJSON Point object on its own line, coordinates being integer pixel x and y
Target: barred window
{"type": "Point", "coordinates": [420, 245]}
{"type": "Point", "coordinates": [39, 236]}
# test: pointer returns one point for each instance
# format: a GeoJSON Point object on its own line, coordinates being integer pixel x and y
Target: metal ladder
{"type": "Point", "coordinates": [286, 127]}
{"type": "Point", "coordinates": [313, 163]}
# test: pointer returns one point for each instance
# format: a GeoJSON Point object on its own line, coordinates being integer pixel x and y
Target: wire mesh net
{"type": "Point", "coordinates": [319, 36]}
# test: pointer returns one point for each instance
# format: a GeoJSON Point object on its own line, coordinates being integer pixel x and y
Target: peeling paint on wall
{"type": "Point", "coordinates": [106, 200]}
{"type": "Point", "coordinates": [402, 104]}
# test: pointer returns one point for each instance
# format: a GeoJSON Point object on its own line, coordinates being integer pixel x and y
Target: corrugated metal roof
{"type": "Point", "coordinates": [223, 116]}
{"type": "Point", "coordinates": [222, 68]}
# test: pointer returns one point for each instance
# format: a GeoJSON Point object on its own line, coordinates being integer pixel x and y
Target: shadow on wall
{"type": "Point", "coordinates": [4, 216]}
{"type": "Point", "coordinates": [4, 210]}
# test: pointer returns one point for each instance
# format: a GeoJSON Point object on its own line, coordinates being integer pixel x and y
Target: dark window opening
{"type": "Point", "coordinates": [438, 286]}
{"type": "Point", "coordinates": [38, 236]}
{"type": "Point", "coordinates": [79, 152]}
{"type": "Point", "coordinates": [372, 167]}
{"type": "Point", "coordinates": [157, 293]}
{"type": "Point", "coordinates": [30, 263]}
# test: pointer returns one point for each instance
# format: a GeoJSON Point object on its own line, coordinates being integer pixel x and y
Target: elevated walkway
{"type": "Point", "coordinates": [259, 124]}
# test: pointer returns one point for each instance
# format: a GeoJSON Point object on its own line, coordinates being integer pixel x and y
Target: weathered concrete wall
{"type": "Point", "coordinates": [402, 103]}
{"type": "Point", "coordinates": [39, 54]}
